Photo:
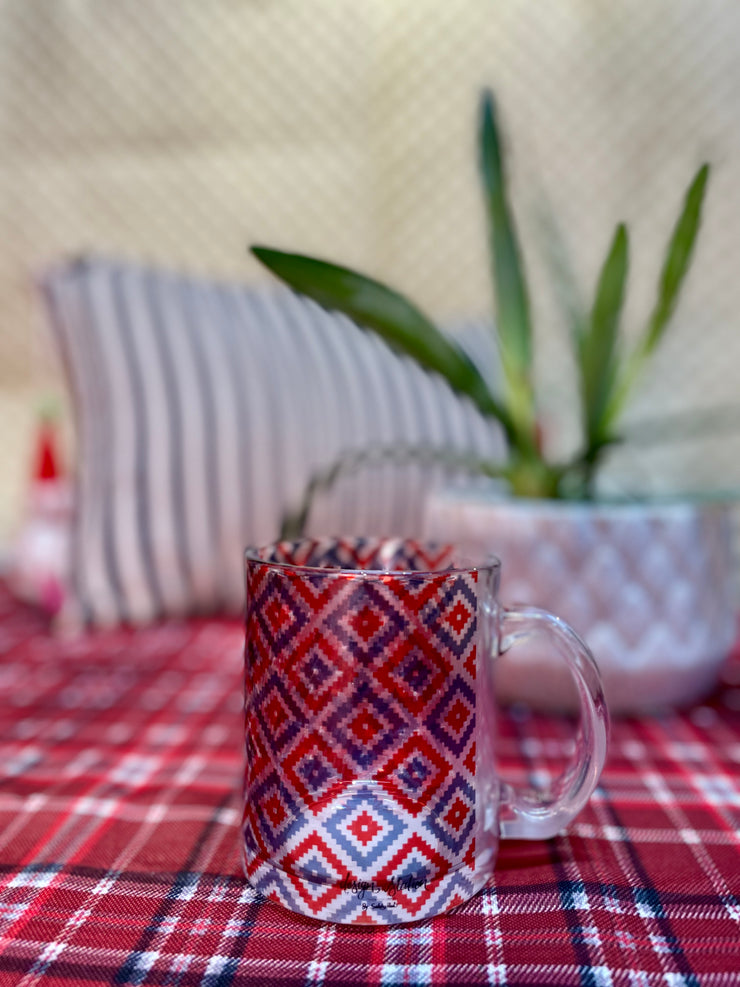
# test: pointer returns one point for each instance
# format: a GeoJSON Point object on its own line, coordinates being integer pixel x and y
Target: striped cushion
{"type": "Point", "coordinates": [202, 411]}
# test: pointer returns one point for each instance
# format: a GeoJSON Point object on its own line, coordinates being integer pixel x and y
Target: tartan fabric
{"type": "Point", "coordinates": [120, 863]}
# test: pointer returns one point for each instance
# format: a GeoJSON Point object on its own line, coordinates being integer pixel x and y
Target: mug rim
{"type": "Point", "coordinates": [487, 562]}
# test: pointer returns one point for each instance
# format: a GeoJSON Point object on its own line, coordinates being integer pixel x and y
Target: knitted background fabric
{"type": "Point", "coordinates": [179, 134]}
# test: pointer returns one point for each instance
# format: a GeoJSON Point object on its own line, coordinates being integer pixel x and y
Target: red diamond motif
{"type": "Point", "coordinates": [459, 616]}
{"type": "Point", "coordinates": [366, 623]}
{"type": "Point", "coordinates": [457, 814]}
{"type": "Point", "coordinates": [457, 716]}
{"type": "Point", "coordinates": [365, 726]}
{"type": "Point", "coordinates": [274, 712]}
{"type": "Point", "coordinates": [278, 615]}
{"type": "Point", "coordinates": [364, 828]}
{"type": "Point", "coordinates": [275, 810]}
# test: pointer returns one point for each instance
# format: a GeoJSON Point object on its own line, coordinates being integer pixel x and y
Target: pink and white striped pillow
{"type": "Point", "coordinates": [203, 409]}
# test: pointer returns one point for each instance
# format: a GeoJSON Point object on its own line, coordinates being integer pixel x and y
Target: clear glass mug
{"type": "Point", "coordinates": [370, 789]}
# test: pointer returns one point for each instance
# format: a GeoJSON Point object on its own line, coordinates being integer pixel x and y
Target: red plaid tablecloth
{"type": "Point", "coordinates": [120, 758]}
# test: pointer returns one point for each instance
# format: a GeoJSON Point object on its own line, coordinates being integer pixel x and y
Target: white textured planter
{"type": "Point", "coordinates": [650, 586]}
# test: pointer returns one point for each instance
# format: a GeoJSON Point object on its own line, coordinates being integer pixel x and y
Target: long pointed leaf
{"type": "Point", "coordinates": [678, 258]}
{"type": "Point", "coordinates": [374, 306]}
{"type": "Point", "coordinates": [598, 345]}
{"type": "Point", "coordinates": [512, 302]}
{"type": "Point", "coordinates": [511, 294]}
{"type": "Point", "coordinates": [675, 267]}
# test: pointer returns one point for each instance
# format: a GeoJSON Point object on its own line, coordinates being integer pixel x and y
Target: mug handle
{"type": "Point", "coordinates": [539, 814]}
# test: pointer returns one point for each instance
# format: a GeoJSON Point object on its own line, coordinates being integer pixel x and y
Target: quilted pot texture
{"type": "Point", "coordinates": [649, 586]}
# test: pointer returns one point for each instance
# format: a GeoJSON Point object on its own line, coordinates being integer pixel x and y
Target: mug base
{"type": "Point", "coordinates": [355, 901]}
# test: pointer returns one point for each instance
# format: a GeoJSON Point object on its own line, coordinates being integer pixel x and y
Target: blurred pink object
{"type": "Point", "coordinates": [39, 557]}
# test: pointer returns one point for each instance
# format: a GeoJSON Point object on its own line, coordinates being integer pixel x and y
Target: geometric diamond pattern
{"type": "Point", "coordinates": [273, 812]}
{"type": "Point", "coordinates": [315, 872]}
{"type": "Point", "coordinates": [453, 815]}
{"type": "Point", "coordinates": [414, 869]}
{"type": "Point", "coordinates": [319, 673]}
{"type": "Point", "coordinates": [278, 714]}
{"type": "Point", "coordinates": [453, 718]}
{"type": "Point", "coordinates": [416, 772]}
{"type": "Point", "coordinates": [365, 726]}
{"type": "Point", "coordinates": [314, 769]}
{"type": "Point", "coordinates": [360, 717]}
{"type": "Point", "coordinates": [366, 625]}
{"type": "Point", "coordinates": [453, 623]}
{"type": "Point", "coordinates": [418, 672]}
{"type": "Point", "coordinates": [364, 828]}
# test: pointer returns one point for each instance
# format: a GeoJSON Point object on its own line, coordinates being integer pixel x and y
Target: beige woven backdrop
{"type": "Point", "coordinates": [180, 132]}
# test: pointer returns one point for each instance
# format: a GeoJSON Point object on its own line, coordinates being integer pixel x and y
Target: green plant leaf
{"type": "Point", "coordinates": [675, 267]}
{"type": "Point", "coordinates": [598, 345]}
{"type": "Point", "coordinates": [374, 306]}
{"type": "Point", "coordinates": [512, 303]}
{"type": "Point", "coordinates": [678, 259]}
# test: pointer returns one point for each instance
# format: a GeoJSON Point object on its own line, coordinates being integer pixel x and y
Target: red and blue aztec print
{"type": "Point", "coordinates": [360, 800]}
